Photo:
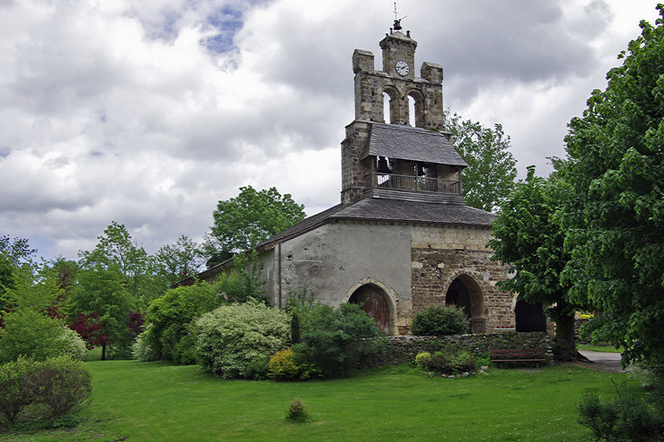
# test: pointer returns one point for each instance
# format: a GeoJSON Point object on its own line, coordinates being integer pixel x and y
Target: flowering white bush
{"type": "Point", "coordinates": [237, 340]}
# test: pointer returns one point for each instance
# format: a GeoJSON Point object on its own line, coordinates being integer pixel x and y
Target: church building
{"type": "Point", "coordinates": [401, 238]}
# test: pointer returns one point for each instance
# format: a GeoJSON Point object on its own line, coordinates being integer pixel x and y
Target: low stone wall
{"type": "Point", "coordinates": [403, 349]}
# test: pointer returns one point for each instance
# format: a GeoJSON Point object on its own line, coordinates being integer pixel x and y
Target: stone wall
{"type": "Point", "coordinates": [441, 255]}
{"type": "Point", "coordinates": [403, 349]}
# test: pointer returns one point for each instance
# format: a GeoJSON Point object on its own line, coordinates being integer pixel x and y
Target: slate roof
{"type": "Point", "coordinates": [411, 143]}
{"type": "Point", "coordinates": [389, 211]}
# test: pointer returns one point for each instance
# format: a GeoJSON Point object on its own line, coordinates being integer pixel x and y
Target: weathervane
{"type": "Point", "coordinates": [397, 20]}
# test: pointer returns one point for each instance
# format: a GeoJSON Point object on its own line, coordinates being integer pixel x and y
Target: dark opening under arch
{"type": "Point", "coordinates": [529, 317]}
{"type": "Point", "coordinates": [466, 293]}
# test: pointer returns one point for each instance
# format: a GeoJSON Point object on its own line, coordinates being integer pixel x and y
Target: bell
{"type": "Point", "coordinates": [420, 169]}
{"type": "Point", "coordinates": [382, 165]}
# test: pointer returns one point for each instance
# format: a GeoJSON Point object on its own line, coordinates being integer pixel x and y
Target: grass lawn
{"type": "Point", "coordinates": [157, 401]}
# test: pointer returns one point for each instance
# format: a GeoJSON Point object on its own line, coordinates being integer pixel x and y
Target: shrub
{"type": "Point", "coordinates": [142, 351]}
{"type": "Point", "coordinates": [629, 416]}
{"type": "Point", "coordinates": [297, 412]}
{"type": "Point", "coordinates": [283, 366]}
{"type": "Point", "coordinates": [440, 320]}
{"type": "Point", "coordinates": [233, 339]}
{"type": "Point", "coordinates": [64, 386]}
{"type": "Point", "coordinates": [170, 316]}
{"type": "Point", "coordinates": [31, 334]}
{"type": "Point", "coordinates": [447, 362]}
{"type": "Point", "coordinates": [54, 389]}
{"type": "Point", "coordinates": [422, 359]}
{"type": "Point", "coordinates": [337, 339]}
{"type": "Point", "coordinates": [73, 345]}
{"type": "Point", "coordinates": [15, 393]}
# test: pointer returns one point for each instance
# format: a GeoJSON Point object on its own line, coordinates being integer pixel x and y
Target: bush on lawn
{"type": "Point", "coordinates": [30, 334]}
{"type": "Point", "coordinates": [53, 389]}
{"type": "Point", "coordinates": [449, 362]}
{"type": "Point", "coordinates": [63, 385]}
{"type": "Point", "coordinates": [236, 341]}
{"type": "Point", "coordinates": [631, 415]}
{"type": "Point", "coordinates": [440, 320]}
{"type": "Point", "coordinates": [169, 318]}
{"type": "Point", "coordinates": [335, 340]}
{"type": "Point", "coordinates": [283, 366]}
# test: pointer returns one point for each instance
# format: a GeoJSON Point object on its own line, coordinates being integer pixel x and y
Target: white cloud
{"type": "Point", "coordinates": [148, 113]}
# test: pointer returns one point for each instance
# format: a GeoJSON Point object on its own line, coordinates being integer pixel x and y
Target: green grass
{"type": "Point", "coordinates": [161, 402]}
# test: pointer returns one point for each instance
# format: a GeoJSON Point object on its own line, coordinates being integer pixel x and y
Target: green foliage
{"type": "Point", "coordinates": [63, 386]}
{"type": "Point", "coordinates": [244, 281]}
{"type": "Point", "coordinates": [448, 361]}
{"type": "Point", "coordinates": [15, 391]}
{"type": "Point", "coordinates": [422, 359]}
{"type": "Point", "coordinates": [491, 170]}
{"type": "Point", "coordinates": [440, 320]}
{"type": "Point", "coordinates": [295, 328]}
{"type": "Point", "coordinates": [616, 165]}
{"type": "Point", "coordinates": [250, 218]}
{"type": "Point", "coordinates": [53, 389]}
{"type": "Point", "coordinates": [237, 340]}
{"type": "Point", "coordinates": [101, 291]}
{"type": "Point", "coordinates": [335, 340]}
{"type": "Point", "coordinates": [117, 251]}
{"type": "Point", "coordinates": [529, 238]}
{"type": "Point", "coordinates": [34, 287]}
{"type": "Point", "coordinates": [180, 260]}
{"type": "Point", "coordinates": [284, 366]}
{"type": "Point", "coordinates": [629, 416]}
{"type": "Point", "coordinates": [297, 411]}
{"type": "Point", "coordinates": [28, 333]}
{"type": "Point", "coordinates": [141, 349]}
{"type": "Point", "coordinates": [170, 317]}
{"type": "Point", "coordinates": [73, 345]}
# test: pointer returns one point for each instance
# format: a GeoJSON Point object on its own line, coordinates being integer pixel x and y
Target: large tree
{"type": "Point", "coordinates": [117, 251]}
{"type": "Point", "coordinates": [180, 260]}
{"type": "Point", "coordinates": [529, 238]}
{"type": "Point", "coordinates": [491, 172]}
{"type": "Point", "coordinates": [100, 297]}
{"type": "Point", "coordinates": [616, 153]}
{"type": "Point", "coordinates": [253, 216]}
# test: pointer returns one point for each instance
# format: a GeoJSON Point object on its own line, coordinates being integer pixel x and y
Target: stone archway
{"type": "Point", "coordinates": [529, 317]}
{"type": "Point", "coordinates": [373, 301]}
{"type": "Point", "coordinates": [466, 293]}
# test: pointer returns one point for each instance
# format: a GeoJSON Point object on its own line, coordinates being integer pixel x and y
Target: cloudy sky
{"type": "Point", "coordinates": [148, 112]}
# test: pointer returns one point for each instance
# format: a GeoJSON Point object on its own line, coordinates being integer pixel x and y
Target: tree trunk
{"type": "Point", "coordinates": [565, 338]}
{"type": "Point", "coordinates": [103, 352]}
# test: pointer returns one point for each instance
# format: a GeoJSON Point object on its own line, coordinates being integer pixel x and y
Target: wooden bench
{"type": "Point", "coordinates": [535, 355]}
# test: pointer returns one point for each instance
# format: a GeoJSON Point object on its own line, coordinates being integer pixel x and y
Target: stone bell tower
{"type": "Point", "coordinates": [394, 147]}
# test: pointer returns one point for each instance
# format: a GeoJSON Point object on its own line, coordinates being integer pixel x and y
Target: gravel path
{"type": "Point", "coordinates": [602, 361]}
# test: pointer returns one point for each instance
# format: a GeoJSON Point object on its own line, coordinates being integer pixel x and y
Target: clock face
{"type": "Point", "coordinates": [402, 68]}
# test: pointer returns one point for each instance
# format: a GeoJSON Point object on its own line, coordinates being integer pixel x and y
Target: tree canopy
{"type": "Point", "coordinates": [616, 222]}
{"type": "Point", "coordinates": [250, 218]}
{"type": "Point", "coordinates": [491, 171]}
{"type": "Point", "coordinates": [528, 236]}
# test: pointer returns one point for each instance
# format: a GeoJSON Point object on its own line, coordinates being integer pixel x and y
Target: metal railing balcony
{"type": "Point", "coordinates": [412, 183]}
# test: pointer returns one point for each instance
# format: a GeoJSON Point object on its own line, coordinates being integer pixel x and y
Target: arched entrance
{"type": "Point", "coordinates": [465, 293]}
{"type": "Point", "coordinates": [374, 302]}
{"type": "Point", "coordinates": [529, 317]}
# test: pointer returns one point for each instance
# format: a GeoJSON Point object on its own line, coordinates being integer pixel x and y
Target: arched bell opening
{"type": "Point", "coordinates": [391, 105]}
{"type": "Point", "coordinates": [529, 317]}
{"type": "Point", "coordinates": [416, 108]}
{"type": "Point", "coordinates": [465, 293]}
{"type": "Point", "coordinates": [374, 301]}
